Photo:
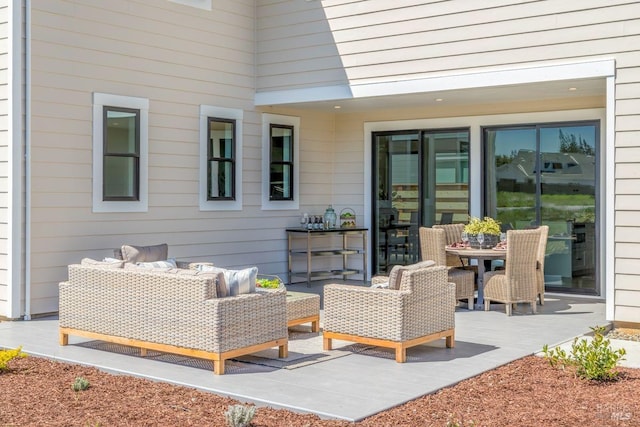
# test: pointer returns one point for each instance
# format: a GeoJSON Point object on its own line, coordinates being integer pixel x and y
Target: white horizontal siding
{"type": "Point", "coordinates": [376, 41]}
{"type": "Point", "coordinates": [177, 57]}
{"type": "Point", "coordinates": [626, 313]}
{"type": "Point", "coordinates": [627, 199]}
{"type": "Point", "coordinates": [5, 155]}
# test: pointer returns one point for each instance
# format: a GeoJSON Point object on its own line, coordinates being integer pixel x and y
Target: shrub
{"type": "Point", "coordinates": [7, 356]}
{"type": "Point", "coordinates": [239, 415]}
{"type": "Point", "coordinates": [80, 384]}
{"type": "Point", "coordinates": [592, 359]}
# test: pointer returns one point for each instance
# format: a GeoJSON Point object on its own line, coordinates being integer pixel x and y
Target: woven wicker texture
{"type": "Point", "coordinates": [432, 246]}
{"type": "Point", "coordinates": [542, 250]}
{"type": "Point", "coordinates": [424, 304]}
{"type": "Point", "coordinates": [519, 281]}
{"type": "Point", "coordinates": [168, 308]}
{"type": "Point", "coordinates": [301, 305]}
{"type": "Point", "coordinates": [453, 234]}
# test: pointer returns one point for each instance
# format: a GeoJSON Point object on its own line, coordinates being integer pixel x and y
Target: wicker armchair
{"type": "Point", "coordinates": [421, 310]}
{"type": "Point", "coordinates": [542, 250]}
{"type": "Point", "coordinates": [519, 281]}
{"type": "Point", "coordinates": [432, 246]}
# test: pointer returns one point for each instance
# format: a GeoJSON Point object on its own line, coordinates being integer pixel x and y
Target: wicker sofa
{"type": "Point", "coordinates": [174, 311]}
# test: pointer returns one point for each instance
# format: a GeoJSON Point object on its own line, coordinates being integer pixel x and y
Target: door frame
{"type": "Point", "coordinates": [474, 123]}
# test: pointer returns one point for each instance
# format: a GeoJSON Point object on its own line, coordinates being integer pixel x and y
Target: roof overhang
{"type": "Point", "coordinates": [562, 80]}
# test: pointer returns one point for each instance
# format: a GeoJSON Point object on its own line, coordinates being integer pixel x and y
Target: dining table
{"type": "Point", "coordinates": [481, 255]}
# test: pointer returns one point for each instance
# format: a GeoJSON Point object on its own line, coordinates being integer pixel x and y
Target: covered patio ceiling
{"type": "Point", "coordinates": [505, 94]}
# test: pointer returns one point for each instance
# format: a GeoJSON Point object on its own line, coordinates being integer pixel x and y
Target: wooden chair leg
{"type": "Point", "coordinates": [450, 341]}
{"type": "Point", "coordinates": [401, 354]}
{"type": "Point", "coordinates": [326, 343]}
{"type": "Point", "coordinates": [533, 307]}
{"type": "Point", "coordinates": [470, 302]}
{"type": "Point", "coordinates": [487, 304]}
{"type": "Point", "coordinates": [315, 326]}
{"type": "Point", "coordinates": [64, 339]}
{"type": "Point", "coordinates": [283, 350]}
{"type": "Point", "coordinates": [218, 367]}
{"type": "Point", "coordinates": [508, 307]}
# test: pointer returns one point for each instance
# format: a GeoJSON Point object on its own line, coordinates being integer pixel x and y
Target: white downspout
{"type": "Point", "coordinates": [27, 163]}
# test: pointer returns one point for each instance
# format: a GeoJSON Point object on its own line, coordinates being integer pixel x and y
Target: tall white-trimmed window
{"type": "Point", "coordinates": [220, 158]}
{"type": "Point", "coordinates": [280, 162]}
{"type": "Point", "coordinates": [120, 153]}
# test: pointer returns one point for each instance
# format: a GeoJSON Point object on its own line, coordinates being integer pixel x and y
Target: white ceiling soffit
{"type": "Point", "coordinates": [504, 86]}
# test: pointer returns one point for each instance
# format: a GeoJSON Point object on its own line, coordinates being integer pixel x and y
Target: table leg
{"type": "Point", "coordinates": [308, 259]}
{"type": "Point", "coordinates": [480, 301]}
{"type": "Point", "coordinates": [364, 257]}
{"type": "Point", "coordinates": [289, 262]}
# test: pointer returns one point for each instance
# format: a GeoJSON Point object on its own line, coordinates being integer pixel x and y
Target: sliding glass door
{"type": "Point", "coordinates": [419, 178]}
{"type": "Point", "coordinates": [547, 174]}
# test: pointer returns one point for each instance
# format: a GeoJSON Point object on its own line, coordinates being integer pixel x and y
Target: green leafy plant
{"type": "Point", "coordinates": [239, 415]}
{"type": "Point", "coordinates": [80, 384]}
{"type": "Point", "coordinates": [268, 283]}
{"type": "Point", "coordinates": [7, 356]}
{"type": "Point", "coordinates": [592, 359]}
{"type": "Point", "coordinates": [487, 225]}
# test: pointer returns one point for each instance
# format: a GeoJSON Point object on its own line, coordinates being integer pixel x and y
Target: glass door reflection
{"type": "Point", "coordinates": [546, 174]}
{"type": "Point", "coordinates": [420, 178]}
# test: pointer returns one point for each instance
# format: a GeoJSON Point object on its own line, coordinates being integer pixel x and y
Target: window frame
{"type": "Point", "coordinates": [282, 163]}
{"type": "Point", "coordinates": [281, 120]}
{"type": "Point", "coordinates": [221, 160]}
{"type": "Point", "coordinates": [100, 101]}
{"type": "Point", "coordinates": [208, 112]}
{"type": "Point", "coordinates": [135, 155]}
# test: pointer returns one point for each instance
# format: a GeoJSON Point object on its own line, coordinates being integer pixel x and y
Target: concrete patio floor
{"type": "Point", "coordinates": [357, 385]}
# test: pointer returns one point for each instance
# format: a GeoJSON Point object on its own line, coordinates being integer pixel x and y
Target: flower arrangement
{"type": "Point", "coordinates": [482, 233]}
{"type": "Point", "coordinates": [485, 226]}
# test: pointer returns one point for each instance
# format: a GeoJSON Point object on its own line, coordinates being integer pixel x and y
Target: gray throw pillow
{"type": "Point", "coordinates": [136, 254]}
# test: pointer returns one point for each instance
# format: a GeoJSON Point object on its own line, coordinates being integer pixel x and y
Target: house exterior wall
{"type": "Point", "coordinates": [336, 43]}
{"type": "Point", "coordinates": [178, 57]}
{"type": "Point", "coordinates": [5, 154]}
{"type": "Point", "coordinates": [311, 44]}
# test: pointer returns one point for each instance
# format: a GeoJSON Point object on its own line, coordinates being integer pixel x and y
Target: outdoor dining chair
{"type": "Point", "coordinates": [518, 283]}
{"type": "Point", "coordinates": [542, 250]}
{"type": "Point", "coordinates": [453, 234]}
{"type": "Point", "coordinates": [432, 247]}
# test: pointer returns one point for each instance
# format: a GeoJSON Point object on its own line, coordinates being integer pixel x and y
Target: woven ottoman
{"type": "Point", "coordinates": [303, 308]}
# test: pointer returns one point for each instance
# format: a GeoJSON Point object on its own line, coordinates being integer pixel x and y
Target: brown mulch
{"type": "Point", "coordinates": [526, 392]}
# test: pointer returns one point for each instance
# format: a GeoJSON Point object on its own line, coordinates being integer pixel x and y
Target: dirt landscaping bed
{"type": "Point", "coordinates": [526, 392]}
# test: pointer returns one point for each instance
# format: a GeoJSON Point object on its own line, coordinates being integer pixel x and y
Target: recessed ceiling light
{"type": "Point", "coordinates": [573, 88]}
{"type": "Point", "coordinates": [439, 99]}
{"type": "Point", "coordinates": [337, 107]}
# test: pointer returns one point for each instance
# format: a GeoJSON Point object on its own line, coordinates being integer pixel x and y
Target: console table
{"type": "Point", "coordinates": [310, 252]}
